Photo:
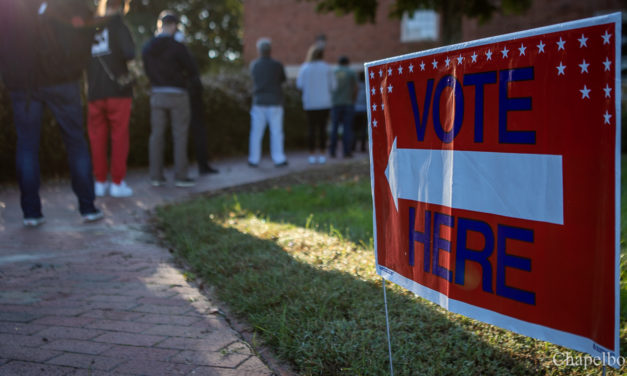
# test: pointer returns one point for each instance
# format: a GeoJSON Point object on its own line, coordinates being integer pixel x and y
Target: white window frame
{"type": "Point", "coordinates": [423, 25]}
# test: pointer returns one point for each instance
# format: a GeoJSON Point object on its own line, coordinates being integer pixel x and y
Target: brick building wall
{"type": "Point", "coordinates": [294, 24]}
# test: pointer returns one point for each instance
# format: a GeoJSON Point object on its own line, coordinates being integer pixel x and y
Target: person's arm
{"type": "Point", "coordinates": [332, 79]}
{"type": "Point", "coordinates": [283, 77]}
{"type": "Point", "coordinates": [127, 45]}
{"type": "Point", "coordinates": [300, 78]}
{"type": "Point", "coordinates": [189, 65]}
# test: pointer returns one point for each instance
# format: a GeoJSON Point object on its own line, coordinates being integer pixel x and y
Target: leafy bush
{"type": "Point", "coordinates": [227, 103]}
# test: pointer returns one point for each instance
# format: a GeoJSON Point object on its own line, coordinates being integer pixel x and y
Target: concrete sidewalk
{"type": "Point", "coordinates": [105, 298]}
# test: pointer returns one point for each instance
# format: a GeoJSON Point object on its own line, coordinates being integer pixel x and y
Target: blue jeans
{"type": "Point", "coordinates": [342, 114]}
{"type": "Point", "coordinates": [64, 101]}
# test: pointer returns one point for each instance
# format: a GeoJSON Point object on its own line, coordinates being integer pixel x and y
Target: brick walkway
{"type": "Point", "coordinates": [105, 298]}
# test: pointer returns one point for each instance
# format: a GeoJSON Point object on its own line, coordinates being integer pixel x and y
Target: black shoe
{"type": "Point", "coordinates": [348, 156]}
{"type": "Point", "coordinates": [282, 164]}
{"type": "Point", "coordinates": [253, 165]}
{"type": "Point", "coordinates": [207, 169]}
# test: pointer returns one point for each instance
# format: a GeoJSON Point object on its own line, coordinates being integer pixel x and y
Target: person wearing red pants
{"type": "Point", "coordinates": [110, 97]}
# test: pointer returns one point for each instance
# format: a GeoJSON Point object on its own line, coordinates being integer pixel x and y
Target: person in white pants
{"type": "Point", "coordinates": [268, 75]}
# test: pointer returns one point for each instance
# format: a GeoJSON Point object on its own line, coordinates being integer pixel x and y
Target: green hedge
{"type": "Point", "coordinates": [227, 105]}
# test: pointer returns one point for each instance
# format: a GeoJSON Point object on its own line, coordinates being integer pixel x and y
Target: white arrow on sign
{"type": "Point", "coordinates": [526, 186]}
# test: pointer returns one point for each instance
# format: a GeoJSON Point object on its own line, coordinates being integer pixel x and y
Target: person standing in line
{"type": "Point", "coordinates": [343, 110]}
{"type": "Point", "coordinates": [110, 96]}
{"type": "Point", "coordinates": [316, 81]}
{"type": "Point", "coordinates": [44, 48]}
{"type": "Point", "coordinates": [170, 68]}
{"type": "Point", "coordinates": [360, 123]}
{"type": "Point", "coordinates": [268, 75]}
{"type": "Point", "coordinates": [197, 122]}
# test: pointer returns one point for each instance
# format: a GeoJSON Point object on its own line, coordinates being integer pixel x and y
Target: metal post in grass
{"type": "Point", "coordinates": [387, 325]}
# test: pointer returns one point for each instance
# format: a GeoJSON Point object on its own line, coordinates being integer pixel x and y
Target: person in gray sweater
{"type": "Point", "coordinates": [268, 75]}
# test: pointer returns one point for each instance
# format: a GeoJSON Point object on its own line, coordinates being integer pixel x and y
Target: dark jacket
{"type": "Point", "coordinates": [113, 49]}
{"type": "Point", "coordinates": [43, 48]}
{"type": "Point", "coordinates": [168, 63]}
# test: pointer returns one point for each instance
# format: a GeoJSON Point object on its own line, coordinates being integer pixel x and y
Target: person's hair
{"type": "Point", "coordinates": [343, 60]}
{"type": "Point", "coordinates": [264, 46]}
{"type": "Point", "coordinates": [124, 6]}
{"type": "Point", "coordinates": [168, 17]}
{"type": "Point", "coordinates": [315, 52]}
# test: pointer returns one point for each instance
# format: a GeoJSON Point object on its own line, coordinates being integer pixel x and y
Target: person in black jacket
{"type": "Point", "coordinates": [44, 48]}
{"type": "Point", "coordinates": [169, 67]}
{"type": "Point", "coordinates": [110, 99]}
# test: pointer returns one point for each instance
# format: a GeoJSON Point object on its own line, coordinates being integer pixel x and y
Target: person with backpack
{"type": "Point", "coordinates": [110, 96]}
{"type": "Point", "coordinates": [44, 48]}
{"type": "Point", "coordinates": [169, 67]}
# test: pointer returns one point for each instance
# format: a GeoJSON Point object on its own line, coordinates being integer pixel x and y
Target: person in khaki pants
{"type": "Point", "coordinates": [169, 67]}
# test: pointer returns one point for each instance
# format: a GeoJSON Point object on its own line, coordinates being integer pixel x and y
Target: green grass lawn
{"type": "Point", "coordinates": [294, 259]}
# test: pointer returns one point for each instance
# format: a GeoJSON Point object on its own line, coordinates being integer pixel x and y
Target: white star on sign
{"type": "Point", "coordinates": [560, 44]}
{"type": "Point", "coordinates": [380, 73]}
{"type": "Point", "coordinates": [541, 47]}
{"type": "Point", "coordinates": [585, 92]}
{"type": "Point", "coordinates": [584, 66]}
{"type": "Point", "coordinates": [389, 71]}
{"type": "Point", "coordinates": [607, 64]}
{"type": "Point", "coordinates": [522, 49]}
{"type": "Point", "coordinates": [582, 41]}
{"type": "Point", "coordinates": [390, 87]}
{"type": "Point", "coordinates": [460, 58]}
{"type": "Point", "coordinates": [474, 57]}
{"type": "Point", "coordinates": [374, 123]}
{"type": "Point", "coordinates": [607, 117]}
{"type": "Point", "coordinates": [381, 90]}
{"type": "Point", "coordinates": [382, 106]}
{"type": "Point", "coordinates": [374, 107]}
{"type": "Point", "coordinates": [505, 51]}
{"type": "Point", "coordinates": [411, 67]}
{"type": "Point", "coordinates": [488, 55]}
{"type": "Point", "coordinates": [371, 74]}
{"type": "Point", "coordinates": [435, 64]}
{"type": "Point", "coordinates": [400, 69]}
{"type": "Point", "coordinates": [606, 37]}
{"type": "Point", "coordinates": [608, 91]}
{"type": "Point", "coordinates": [447, 61]}
{"type": "Point", "coordinates": [560, 69]}
{"type": "Point", "coordinates": [422, 65]}
{"type": "Point", "coordinates": [373, 91]}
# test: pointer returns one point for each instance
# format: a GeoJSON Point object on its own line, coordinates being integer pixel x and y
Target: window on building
{"type": "Point", "coordinates": [422, 25]}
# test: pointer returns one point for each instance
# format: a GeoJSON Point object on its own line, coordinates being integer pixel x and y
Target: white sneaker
{"type": "Point", "coordinates": [101, 188]}
{"type": "Point", "coordinates": [322, 159]}
{"type": "Point", "coordinates": [120, 190]}
{"type": "Point", "coordinates": [312, 160]}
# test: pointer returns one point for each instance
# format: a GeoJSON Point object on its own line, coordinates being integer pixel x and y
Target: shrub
{"type": "Point", "coordinates": [227, 103]}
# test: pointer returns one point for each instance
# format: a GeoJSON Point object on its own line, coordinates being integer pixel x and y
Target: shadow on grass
{"type": "Point", "coordinates": [329, 322]}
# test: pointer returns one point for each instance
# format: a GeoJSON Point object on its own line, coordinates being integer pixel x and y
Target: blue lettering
{"type": "Point", "coordinates": [439, 220]}
{"type": "Point", "coordinates": [507, 104]}
{"type": "Point", "coordinates": [504, 260]}
{"type": "Point", "coordinates": [480, 256]}
{"type": "Point", "coordinates": [422, 237]}
{"type": "Point", "coordinates": [479, 80]}
{"type": "Point", "coordinates": [421, 125]}
{"type": "Point", "coordinates": [448, 81]}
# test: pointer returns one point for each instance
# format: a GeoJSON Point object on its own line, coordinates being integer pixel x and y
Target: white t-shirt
{"type": "Point", "coordinates": [316, 80]}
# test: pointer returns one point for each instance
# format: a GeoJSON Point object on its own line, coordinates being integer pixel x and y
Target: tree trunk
{"type": "Point", "coordinates": [451, 12]}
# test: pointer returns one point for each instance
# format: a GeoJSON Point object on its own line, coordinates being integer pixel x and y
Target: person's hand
{"type": "Point", "coordinates": [77, 21]}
